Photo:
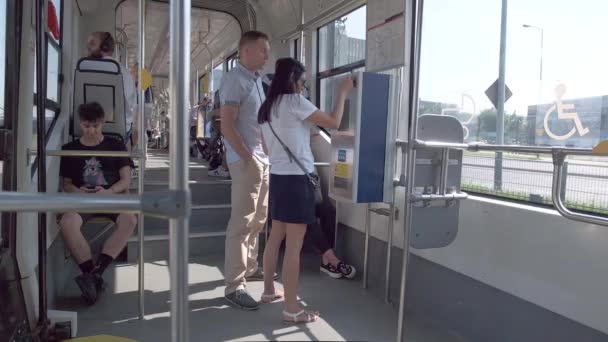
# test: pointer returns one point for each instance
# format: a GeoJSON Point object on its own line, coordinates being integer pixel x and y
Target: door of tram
{"type": "Point", "coordinates": [13, 319]}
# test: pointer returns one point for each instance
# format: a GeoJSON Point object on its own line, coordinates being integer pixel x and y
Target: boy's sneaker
{"type": "Point", "coordinates": [347, 270]}
{"type": "Point", "coordinates": [88, 287]}
{"type": "Point", "coordinates": [100, 284]}
{"type": "Point", "coordinates": [219, 172]}
{"type": "Point", "coordinates": [242, 300]}
{"type": "Point", "coordinates": [331, 271]}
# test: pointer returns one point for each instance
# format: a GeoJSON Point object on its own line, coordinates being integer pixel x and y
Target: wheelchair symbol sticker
{"type": "Point", "coordinates": [564, 112]}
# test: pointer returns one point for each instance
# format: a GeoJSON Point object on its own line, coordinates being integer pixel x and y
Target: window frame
{"type": "Point", "coordinates": [49, 104]}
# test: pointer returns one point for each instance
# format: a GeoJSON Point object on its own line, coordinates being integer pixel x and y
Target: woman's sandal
{"type": "Point", "coordinates": [269, 298]}
{"type": "Point", "coordinates": [308, 317]}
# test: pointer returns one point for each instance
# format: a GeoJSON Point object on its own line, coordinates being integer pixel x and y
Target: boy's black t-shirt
{"type": "Point", "coordinates": [94, 171]}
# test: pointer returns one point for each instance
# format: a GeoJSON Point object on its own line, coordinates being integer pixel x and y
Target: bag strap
{"type": "Point", "coordinates": [292, 157]}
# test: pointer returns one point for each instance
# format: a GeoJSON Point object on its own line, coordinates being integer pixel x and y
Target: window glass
{"type": "Point", "coordinates": [231, 63]}
{"type": "Point", "coordinates": [327, 91]}
{"type": "Point", "coordinates": [49, 116]}
{"type": "Point", "coordinates": [342, 41]}
{"type": "Point", "coordinates": [55, 25]}
{"type": "Point", "coordinates": [556, 74]}
{"type": "Point", "coordinates": [2, 60]}
{"type": "Point", "coordinates": [218, 72]}
{"type": "Point", "coordinates": [52, 74]}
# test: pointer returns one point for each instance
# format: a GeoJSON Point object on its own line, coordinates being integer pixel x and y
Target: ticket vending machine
{"type": "Point", "coordinates": [361, 167]}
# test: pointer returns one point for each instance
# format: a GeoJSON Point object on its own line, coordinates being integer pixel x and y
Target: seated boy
{"type": "Point", "coordinates": [100, 176]}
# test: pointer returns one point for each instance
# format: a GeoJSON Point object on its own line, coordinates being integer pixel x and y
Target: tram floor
{"type": "Point", "coordinates": [348, 312]}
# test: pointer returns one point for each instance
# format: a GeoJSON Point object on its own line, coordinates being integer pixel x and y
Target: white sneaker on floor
{"type": "Point", "coordinates": [219, 172]}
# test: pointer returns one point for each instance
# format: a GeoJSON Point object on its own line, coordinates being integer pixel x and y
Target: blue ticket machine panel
{"type": "Point", "coordinates": [359, 148]}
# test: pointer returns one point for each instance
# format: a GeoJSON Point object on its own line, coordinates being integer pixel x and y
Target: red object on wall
{"type": "Point", "coordinates": [53, 23]}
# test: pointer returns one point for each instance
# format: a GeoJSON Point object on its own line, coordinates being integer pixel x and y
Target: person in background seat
{"type": "Point", "coordinates": [99, 176]}
{"type": "Point", "coordinates": [101, 45]}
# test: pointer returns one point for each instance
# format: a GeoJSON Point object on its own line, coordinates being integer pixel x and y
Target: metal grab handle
{"type": "Point", "coordinates": [163, 204]}
{"type": "Point", "coordinates": [476, 147]}
{"type": "Point", "coordinates": [82, 153]}
{"type": "Point", "coordinates": [558, 201]}
{"type": "Point", "coordinates": [41, 202]}
{"type": "Point", "coordinates": [434, 197]}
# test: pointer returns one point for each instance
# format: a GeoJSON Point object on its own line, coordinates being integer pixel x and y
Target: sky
{"type": "Point", "coordinates": [460, 50]}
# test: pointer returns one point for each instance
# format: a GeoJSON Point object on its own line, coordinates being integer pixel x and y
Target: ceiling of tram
{"type": "Point", "coordinates": [213, 34]}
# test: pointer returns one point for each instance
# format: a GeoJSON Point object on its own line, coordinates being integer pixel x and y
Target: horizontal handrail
{"type": "Point", "coordinates": [199, 182]}
{"type": "Point", "coordinates": [558, 201]}
{"type": "Point", "coordinates": [165, 237]}
{"type": "Point", "coordinates": [475, 147]}
{"type": "Point", "coordinates": [439, 144]}
{"type": "Point", "coordinates": [322, 164]}
{"type": "Point", "coordinates": [88, 153]}
{"type": "Point", "coordinates": [85, 203]}
{"type": "Point", "coordinates": [164, 204]}
{"type": "Point", "coordinates": [438, 197]}
{"type": "Point", "coordinates": [210, 206]}
{"type": "Point", "coordinates": [534, 149]}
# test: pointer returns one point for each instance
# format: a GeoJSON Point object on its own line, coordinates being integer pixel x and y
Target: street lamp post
{"type": "Point", "coordinates": [542, 38]}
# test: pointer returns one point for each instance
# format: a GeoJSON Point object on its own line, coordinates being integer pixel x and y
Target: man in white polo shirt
{"type": "Point", "coordinates": [241, 96]}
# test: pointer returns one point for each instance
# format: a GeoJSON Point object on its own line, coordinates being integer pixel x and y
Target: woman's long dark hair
{"type": "Point", "coordinates": [287, 73]}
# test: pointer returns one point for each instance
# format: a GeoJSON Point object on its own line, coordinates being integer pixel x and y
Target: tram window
{"type": "Point", "coordinates": [342, 41]}
{"type": "Point", "coordinates": [52, 74]}
{"type": "Point", "coordinates": [341, 49]}
{"type": "Point", "coordinates": [327, 91]}
{"type": "Point", "coordinates": [55, 31]}
{"type": "Point", "coordinates": [203, 85]}
{"type": "Point", "coordinates": [559, 93]}
{"type": "Point", "coordinates": [218, 73]}
{"type": "Point", "coordinates": [231, 62]}
{"type": "Point", "coordinates": [49, 116]}
{"type": "Point", "coordinates": [2, 60]}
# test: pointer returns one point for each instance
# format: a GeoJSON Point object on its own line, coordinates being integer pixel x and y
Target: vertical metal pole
{"type": "Point", "coordinates": [301, 47]}
{"type": "Point", "coordinates": [564, 180]}
{"type": "Point", "coordinates": [366, 248]}
{"type": "Point", "coordinates": [41, 145]}
{"type": "Point", "coordinates": [389, 248]}
{"type": "Point", "coordinates": [141, 23]}
{"type": "Point", "coordinates": [414, 62]}
{"type": "Point", "coordinates": [210, 80]}
{"type": "Point", "coordinates": [443, 178]}
{"type": "Point", "coordinates": [180, 12]}
{"type": "Point", "coordinates": [500, 97]}
{"type": "Point", "coordinates": [197, 87]}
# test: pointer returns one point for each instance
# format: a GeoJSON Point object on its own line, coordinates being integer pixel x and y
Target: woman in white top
{"type": "Point", "coordinates": [292, 195]}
